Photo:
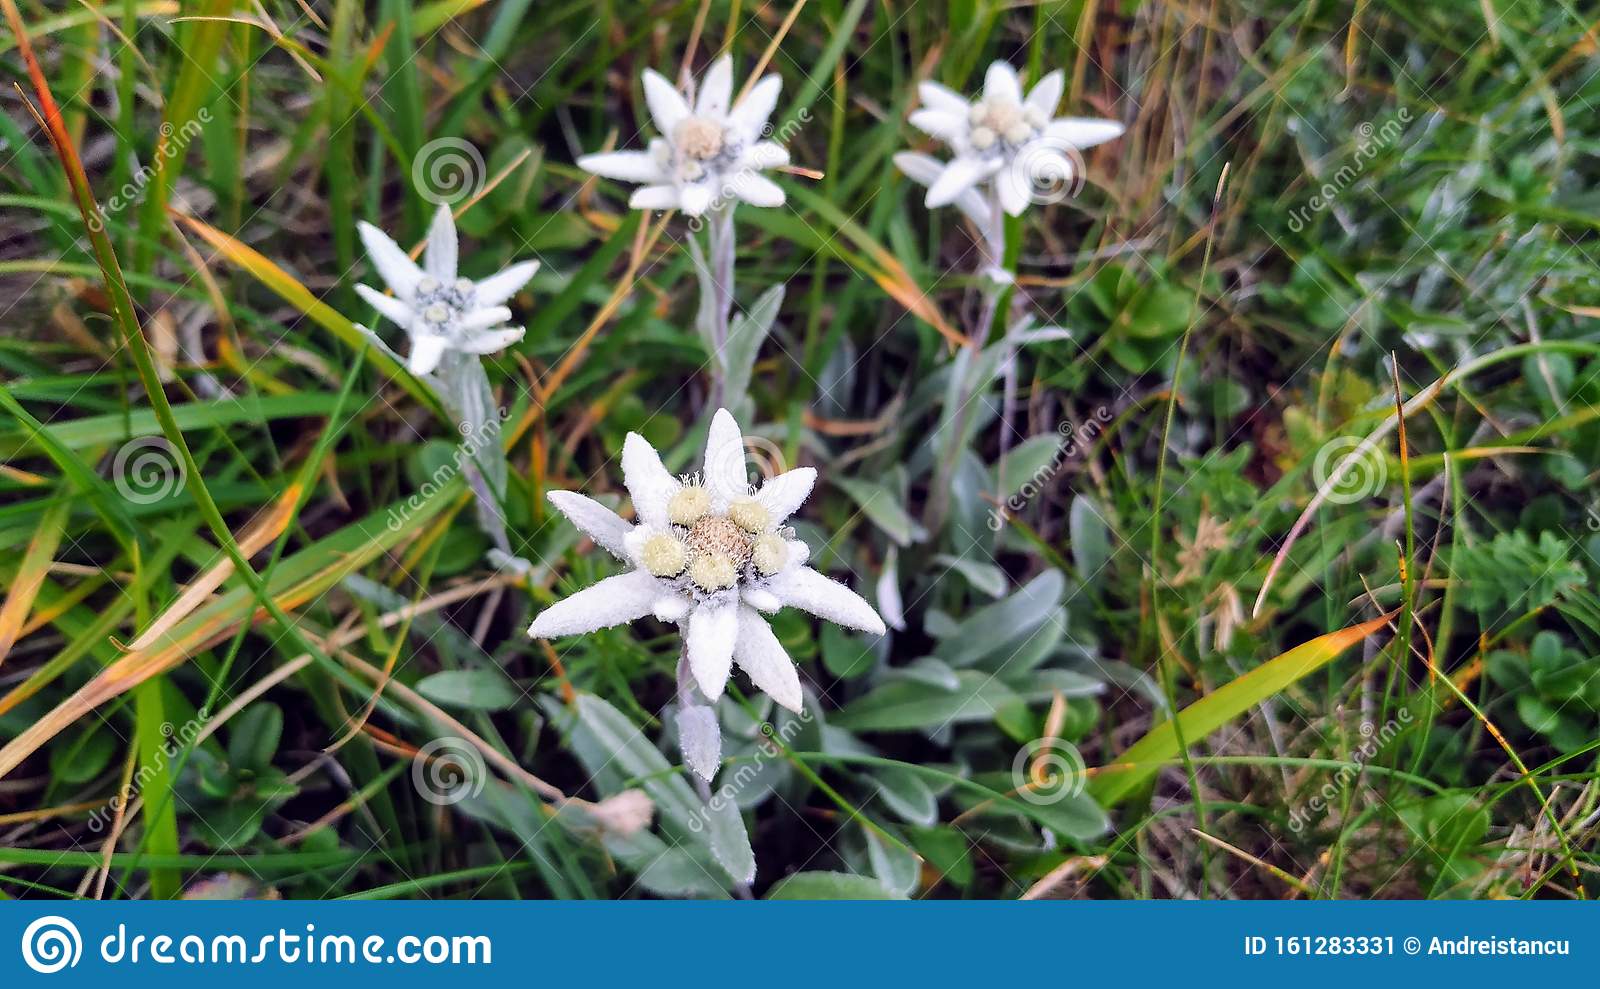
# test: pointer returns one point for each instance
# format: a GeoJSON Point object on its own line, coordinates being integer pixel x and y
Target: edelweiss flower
{"type": "Point", "coordinates": [438, 310]}
{"type": "Point", "coordinates": [711, 555]}
{"type": "Point", "coordinates": [706, 153]}
{"type": "Point", "coordinates": [1003, 136]}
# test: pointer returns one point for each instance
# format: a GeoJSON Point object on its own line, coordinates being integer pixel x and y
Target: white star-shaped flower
{"type": "Point", "coordinates": [1016, 141]}
{"type": "Point", "coordinates": [439, 310]}
{"type": "Point", "coordinates": [711, 555]}
{"type": "Point", "coordinates": [706, 153]}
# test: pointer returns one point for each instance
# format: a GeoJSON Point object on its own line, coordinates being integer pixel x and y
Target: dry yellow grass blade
{"type": "Point", "coordinates": [260, 533]}
{"type": "Point", "coordinates": [31, 573]}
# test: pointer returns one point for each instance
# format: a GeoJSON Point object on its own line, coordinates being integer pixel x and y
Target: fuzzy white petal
{"type": "Point", "coordinates": [439, 258]}
{"type": "Point", "coordinates": [483, 319]}
{"type": "Point", "coordinates": [946, 126]}
{"type": "Point", "coordinates": [388, 306]}
{"type": "Point", "coordinates": [695, 199]}
{"type": "Point", "coordinates": [1082, 132]}
{"type": "Point", "coordinates": [804, 588]}
{"type": "Point", "coordinates": [1046, 93]}
{"type": "Point", "coordinates": [716, 89]}
{"type": "Point", "coordinates": [490, 341]}
{"type": "Point", "coordinates": [594, 520]}
{"type": "Point", "coordinates": [672, 608]}
{"type": "Point", "coordinates": [759, 653]}
{"type": "Point", "coordinates": [1011, 186]}
{"type": "Point", "coordinates": [925, 169]}
{"type": "Point", "coordinates": [628, 166]}
{"type": "Point", "coordinates": [649, 483]}
{"type": "Point", "coordinates": [396, 268]}
{"type": "Point", "coordinates": [1000, 83]}
{"type": "Point", "coordinates": [758, 190]}
{"type": "Point", "coordinates": [497, 288]}
{"type": "Point", "coordinates": [725, 472]}
{"type": "Point", "coordinates": [655, 197]}
{"type": "Point", "coordinates": [781, 496]}
{"type": "Point", "coordinates": [761, 599]}
{"type": "Point", "coordinates": [427, 351]}
{"type": "Point", "coordinates": [700, 738]}
{"type": "Point", "coordinates": [709, 642]}
{"type": "Point", "coordinates": [961, 174]}
{"type": "Point", "coordinates": [667, 106]}
{"type": "Point", "coordinates": [937, 97]}
{"type": "Point", "coordinates": [613, 601]}
{"type": "Point", "coordinates": [765, 154]}
{"type": "Point", "coordinates": [751, 114]}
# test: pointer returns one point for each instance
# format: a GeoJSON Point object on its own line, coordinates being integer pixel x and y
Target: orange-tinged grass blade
{"type": "Point", "coordinates": [297, 295]}
{"type": "Point", "coordinates": [260, 533]}
{"type": "Point", "coordinates": [1113, 783]}
{"type": "Point", "coordinates": [31, 573]}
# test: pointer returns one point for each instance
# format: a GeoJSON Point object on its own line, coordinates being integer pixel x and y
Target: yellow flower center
{"type": "Point", "coordinates": [664, 556]}
{"type": "Point", "coordinates": [715, 535]}
{"type": "Point", "coordinates": [771, 553]}
{"type": "Point", "coordinates": [713, 571]}
{"type": "Point", "coordinates": [749, 514]}
{"type": "Point", "coordinates": [698, 138]}
{"type": "Point", "coordinates": [688, 505]}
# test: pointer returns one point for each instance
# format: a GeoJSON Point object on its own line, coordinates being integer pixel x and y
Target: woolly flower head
{"type": "Point", "coordinates": [439, 310]}
{"type": "Point", "coordinates": [1013, 140]}
{"type": "Point", "coordinates": [711, 555]}
{"type": "Point", "coordinates": [707, 152]}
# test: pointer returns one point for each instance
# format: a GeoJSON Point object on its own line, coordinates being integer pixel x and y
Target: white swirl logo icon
{"type": "Point", "coordinates": [51, 944]}
{"type": "Point", "coordinates": [447, 170]}
{"type": "Point", "coordinates": [1047, 770]}
{"type": "Point", "coordinates": [147, 470]}
{"type": "Point", "coordinates": [1351, 470]}
{"type": "Point", "coordinates": [448, 770]}
{"type": "Point", "coordinates": [1053, 170]}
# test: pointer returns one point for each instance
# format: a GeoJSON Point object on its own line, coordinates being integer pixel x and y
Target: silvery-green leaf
{"type": "Point", "coordinates": [890, 604]}
{"type": "Point", "coordinates": [829, 886]}
{"type": "Point", "coordinates": [700, 738]}
{"type": "Point", "coordinates": [605, 740]}
{"type": "Point", "coordinates": [992, 627]}
{"type": "Point", "coordinates": [985, 577]}
{"type": "Point", "coordinates": [1020, 657]}
{"type": "Point", "coordinates": [939, 623]}
{"type": "Point", "coordinates": [473, 690]}
{"type": "Point", "coordinates": [896, 867]}
{"type": "Point", "coordinates": [904, 792]}
{"type": "Point", "coordinates": [930, 670]}
{"type": "Point", "coordinates": [730, 845]}
{"type": "Point", "coordinates": [1042, 685]}
{"type": "Point", "coordinates": [1031, 462]}
{"type": "Point", "coordinates": [706, 311]}
{"type": "Point", "coordinates": [905, 705]}
{"type": "Point", "coordinates": [1091, 536]}
{"type": "Point", "coordinates": [746, 332]}
{"type": "Point", "coordinates": [839, 742]}
{"type": "Point", "coordinates": [883, 509]}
